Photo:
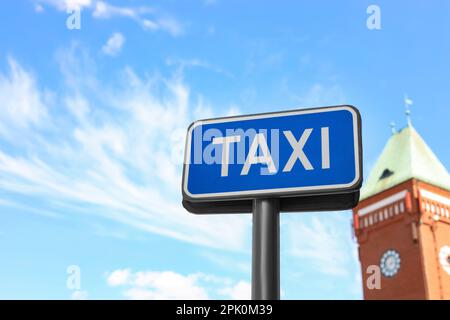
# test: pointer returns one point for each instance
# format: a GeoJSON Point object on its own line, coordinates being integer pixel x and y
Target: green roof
{"type": "Point", "coordinates": [405, 156]}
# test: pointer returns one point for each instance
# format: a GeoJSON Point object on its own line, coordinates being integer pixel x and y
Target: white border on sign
{"type": "Point", "coordinates": [275, 190]}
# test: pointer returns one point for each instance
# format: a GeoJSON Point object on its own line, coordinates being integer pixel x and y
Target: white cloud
{"type": "Point", "coordinates": [233, 111]}
{"type": "Point", "coordinates": [319, 94]}
{"type": "Point", "coordinates": [141, 294]}
{"type": "Point", "coordinates": [240, 291]}
{"type": "Point", "coordinates": [159, 285]}
{"type": "Point", "coordinates": [171, 25]}
{"type": "Point", "coordinates": [21, 103]}
{"type": "Point", "coordinates": [78, 106]}
{"type": "Point", "coordinates": [316, 95]}
{"type": "Point", "coordinates": [229, 262]}
{"type": "Point", "coordinates": [116, 153]}
{"type": "Point", "coordinates": [147, 17]}
{"type": "Point", "coordinates": [104, 10]}
{"type": "Point", "coordinates": [79, 295]}
{"type": "Point", "coordinates": [75, 4]}
{"type": "Point", "coordinates": [38, 8]}
{"type": "Point", "coordinates": [114, 44]}
{"type": "Point", "coordinates": [183, 64]}
{"type": "Point", "coordinates": [65, 5]}
{"type": "Point", "coordinates": [119, 277]}
{"type": "Point", "coordinates": [169, 285]}
{"type": "Point", "coordinates": [319, 243]}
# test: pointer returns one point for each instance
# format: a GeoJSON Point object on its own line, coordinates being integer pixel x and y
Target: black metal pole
{"type": "Point", "coordinates": [266, 250]}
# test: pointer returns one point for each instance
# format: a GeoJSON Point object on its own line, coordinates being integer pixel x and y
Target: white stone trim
{"type": "Point", "coordinates": [383, 203]}
{"type": "Point", "coordinates": [434, 197]}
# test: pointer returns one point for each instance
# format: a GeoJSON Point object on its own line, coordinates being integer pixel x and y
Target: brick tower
{"type": "Point", "coordinates": [402, 222]}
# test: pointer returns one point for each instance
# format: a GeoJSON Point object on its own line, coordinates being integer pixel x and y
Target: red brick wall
{"type": "Point", "coordinates": [434, 235]}
{"type": "Point", "coordinates": [421, 275]}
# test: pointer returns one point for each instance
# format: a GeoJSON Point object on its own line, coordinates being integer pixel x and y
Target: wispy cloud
{"type": "Point", "coordinates": [79, 295]}
{"type": "Point", "coordinates": [227, 262]}
{"type": "Point", "coordinates": [66, 4]}
{"type": "Point", "coordinates": [316, 95]}
{"type": "Point", "coordinates": [240, 291]}
{"type": "Point", "coordinates": [210, 2]}
{"type": "Point", "coordinates": [114, 44]}
{"type": "Point", "coordinates": [119, 277]}
{"type": "Point", "coordinates": [170, 285]}
{"type": "Point", "coordinates": [147, 17]}
{"type": "Point", "coordinates": [22, 102]}
{"type": "Point", "coordinates": [183, 64]}
{"type": "Point", "coordinates": [319, 243]}
{"type": "Point", "coordinates": [38, 8]}
{"type": "Point", "coordinates": [104, 10]}
{"type": "Point", "coordinates": [114, 151]}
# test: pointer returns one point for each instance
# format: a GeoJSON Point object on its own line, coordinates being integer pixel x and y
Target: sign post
{"type": "Point", "coordinates": [266, 250]}
{"type": "Point", "coordinates": [290, 161]}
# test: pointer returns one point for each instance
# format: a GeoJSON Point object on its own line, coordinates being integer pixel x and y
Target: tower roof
{"type": "Point", "coordinates": [405, 156]}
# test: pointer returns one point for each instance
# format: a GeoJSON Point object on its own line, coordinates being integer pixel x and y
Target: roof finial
{"type": "Point", "coordinates": [408, 102]}
{"type": "Point", "coordinates": [393, 129]}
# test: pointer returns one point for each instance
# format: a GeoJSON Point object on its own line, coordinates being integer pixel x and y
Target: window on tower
{"type": "Point", "coordinates": [386, 174]}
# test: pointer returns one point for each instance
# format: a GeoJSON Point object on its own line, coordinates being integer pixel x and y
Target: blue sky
{"type": "Point", "coordinates": [92, 128]}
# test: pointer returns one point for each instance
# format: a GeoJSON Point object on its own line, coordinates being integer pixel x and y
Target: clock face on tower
{"type": "Point", "coordinates": [390, 263]}
{"type": "Point", "coordinates": [444, 258]}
